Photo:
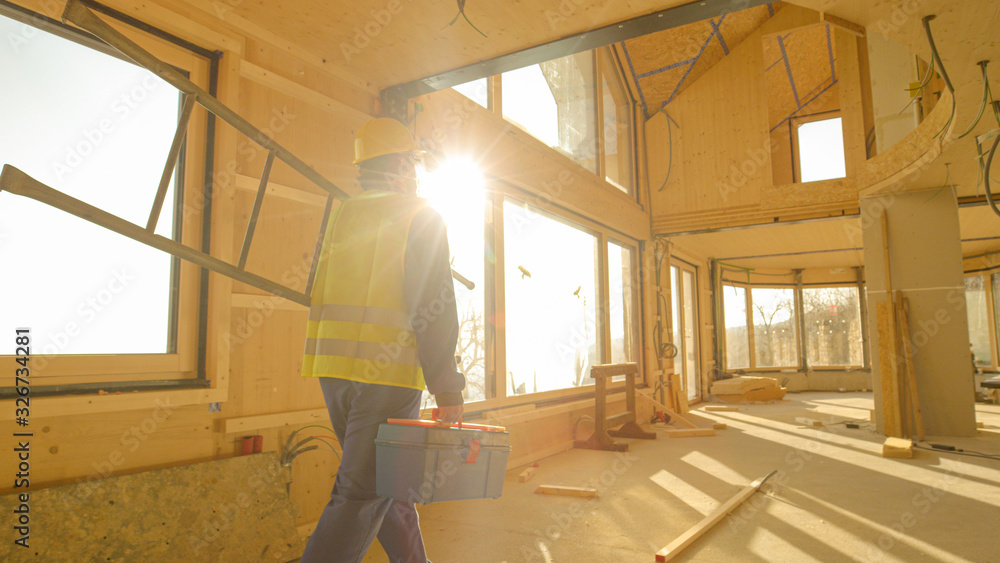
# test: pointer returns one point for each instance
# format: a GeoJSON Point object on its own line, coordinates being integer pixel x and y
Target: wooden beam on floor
{"type": "Point", "coordinates": [690, 432]}
{"type": "Point", "coordinates": [688, 537]}
{"type": "Point", "coordinates": [585, 492]}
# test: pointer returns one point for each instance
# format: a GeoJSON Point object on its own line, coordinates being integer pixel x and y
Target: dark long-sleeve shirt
{"type": "Point", "coordinates": [430, 296]}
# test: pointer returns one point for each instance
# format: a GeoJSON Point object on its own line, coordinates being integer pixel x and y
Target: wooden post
{"type": "Point", "coordinates": [888, 366]}
{"type": "Point", "coordinates": [909, 372]}
{"type": "Point", "coordinates": [888, 370]}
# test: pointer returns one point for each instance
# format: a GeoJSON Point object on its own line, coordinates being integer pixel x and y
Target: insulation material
{"type": "Point", "coordinates": [234, 509]}
{"type": "Point", "coordinates": [745, 389]}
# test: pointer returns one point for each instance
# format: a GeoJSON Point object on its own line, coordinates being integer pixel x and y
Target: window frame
{"type": "Point", "coordinates": [677, 334]}
{"type": "Point", "coordinates": [609, 65]}
{"type": "Point", "coordinates": [991, 279]}
{"type": "Point", "coordinates": [799, 120]}
{"type": "Point", "coordinates": [605, 60]}
{"type": "Point", "coordinates": [798, 316]}
{"type": "Point", "coordinates": [496, 360]}
{"type": "Point", "coordinates": [861, 318]}
{"type": "Point", "coordinates": [181, 366]}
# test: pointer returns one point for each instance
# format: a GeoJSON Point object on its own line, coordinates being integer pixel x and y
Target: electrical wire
{"type": "Point", "coordinates": [670, 147]}
{"type": "Point", "coordinates": [956, 451]}
{"type": "Point", "coordinates": [923, 84]}
{"type": "Point", "coordinates": [987, 98]}
{"type": "Point", "coordinates": [986, 173]}
{"type": "Point", "coordinates": [944, 72]}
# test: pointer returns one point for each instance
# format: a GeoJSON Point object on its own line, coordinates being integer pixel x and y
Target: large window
{"type": "Point", "coordinates": [622, 314]}
{"type": "Point", "coordinates": [981, 326]}
{"type": "Point", "coordinates": [551, 301]}
{"type": "Point", "coordinates": [775, 344]}
{"type": "Point", "coordinates": [763, 332]}
{"type": "Point", "coordinates": [819, 149]}
{"type": "Point", "coordinates": [455, 190]}
{"type": "Point", "coordinates": [579, 105]}
{"type": "Point", "coordinates": [616, 110]}
{"type": "Point", "coordinates": [832, 326]}
{"type": "Point", "coordinates": [737, 334]}
{"type": "Point", "coordinates": [555, 101]}
{"type": "Point", "coordinates": [89, 295]}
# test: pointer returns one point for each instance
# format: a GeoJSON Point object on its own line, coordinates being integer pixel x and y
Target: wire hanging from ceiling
{"type": "Point", "coordinates": [461, 12]}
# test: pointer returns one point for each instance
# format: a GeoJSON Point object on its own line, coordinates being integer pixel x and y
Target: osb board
{"type": "Point", "coordinates": [233, 509]}
{"type": "Point", "coordinates": [800, 77]}
{"type": "Point", "coordinates": [691, 50]}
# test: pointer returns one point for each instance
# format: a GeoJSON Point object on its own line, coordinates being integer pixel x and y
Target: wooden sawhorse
{"type": "Point", "coordinates": [601, 439]}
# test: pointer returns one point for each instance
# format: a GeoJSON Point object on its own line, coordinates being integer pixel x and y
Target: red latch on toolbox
{"type": "Point", "coordinates": [473, 451]}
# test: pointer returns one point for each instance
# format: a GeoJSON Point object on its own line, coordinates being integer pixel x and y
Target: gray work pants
{"type": "Point", "coordinates": [355, 514]}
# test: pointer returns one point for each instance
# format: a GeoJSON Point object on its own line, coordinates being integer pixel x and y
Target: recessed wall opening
{"type": "Point", "coordinates": [818, 149]}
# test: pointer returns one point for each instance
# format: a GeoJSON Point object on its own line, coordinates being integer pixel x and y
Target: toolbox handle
{"type": "Point", "coordinates": [436, 412]}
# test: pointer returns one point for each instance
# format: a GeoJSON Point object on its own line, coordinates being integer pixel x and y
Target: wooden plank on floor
{"type": "Point", "coordinates": [806, 421]}
{"type": "Point", "coordinates": [688, 537]}
{"type": "Point", "coordinates": [585, 492]}
{"type": "Point", "coordinates": [690, 432]}
{"type": "Point", "coordinates": [897, 448]}
{"type": "Point", "coordinates": [526, 474]}
{"type": "Point", "coordinates": [721, 408]}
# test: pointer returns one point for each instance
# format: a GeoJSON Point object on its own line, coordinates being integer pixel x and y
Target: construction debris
{"type": "Point", "coordinates": [585, 492]}
{"type": "Point", "coordinates": [898, 448]}
{"type": "Point", "coordinates": [721, 408]}
{"type": "Point", "coordinates": [526, 474]}
{"type": "Point", "coordinates": [805, 421]}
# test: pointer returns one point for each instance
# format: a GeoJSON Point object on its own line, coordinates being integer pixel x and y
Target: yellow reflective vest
{"type": "Point", "coordinates": [359, 326]}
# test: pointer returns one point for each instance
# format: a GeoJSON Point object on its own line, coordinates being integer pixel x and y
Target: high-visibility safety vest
{"type": "Point", "coordinates": [359, 326]}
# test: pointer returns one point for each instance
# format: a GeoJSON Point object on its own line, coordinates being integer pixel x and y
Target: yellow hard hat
{"type": "Point", "coordinates": [382, 136]}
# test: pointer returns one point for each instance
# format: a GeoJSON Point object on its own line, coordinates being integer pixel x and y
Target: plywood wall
{"type": "Point", "coordinates": [714, 141]}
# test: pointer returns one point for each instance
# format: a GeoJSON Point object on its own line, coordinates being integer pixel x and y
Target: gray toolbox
{"type": "Point", "coordinates": [422, 461]}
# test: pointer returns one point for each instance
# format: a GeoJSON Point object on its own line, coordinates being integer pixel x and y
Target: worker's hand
{"type": "Point", "coordinates": [450, 414]}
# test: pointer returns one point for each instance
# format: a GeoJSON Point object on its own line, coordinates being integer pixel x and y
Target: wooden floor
{"type": "Point", "coordinates": [834, 499]}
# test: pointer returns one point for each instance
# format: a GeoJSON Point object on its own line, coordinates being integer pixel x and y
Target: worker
{"type": "Point", "coordinates": [382, 324]}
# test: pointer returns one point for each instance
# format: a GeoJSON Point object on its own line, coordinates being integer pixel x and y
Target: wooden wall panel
{"type": "Point", "coordinates": [723, 156]}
